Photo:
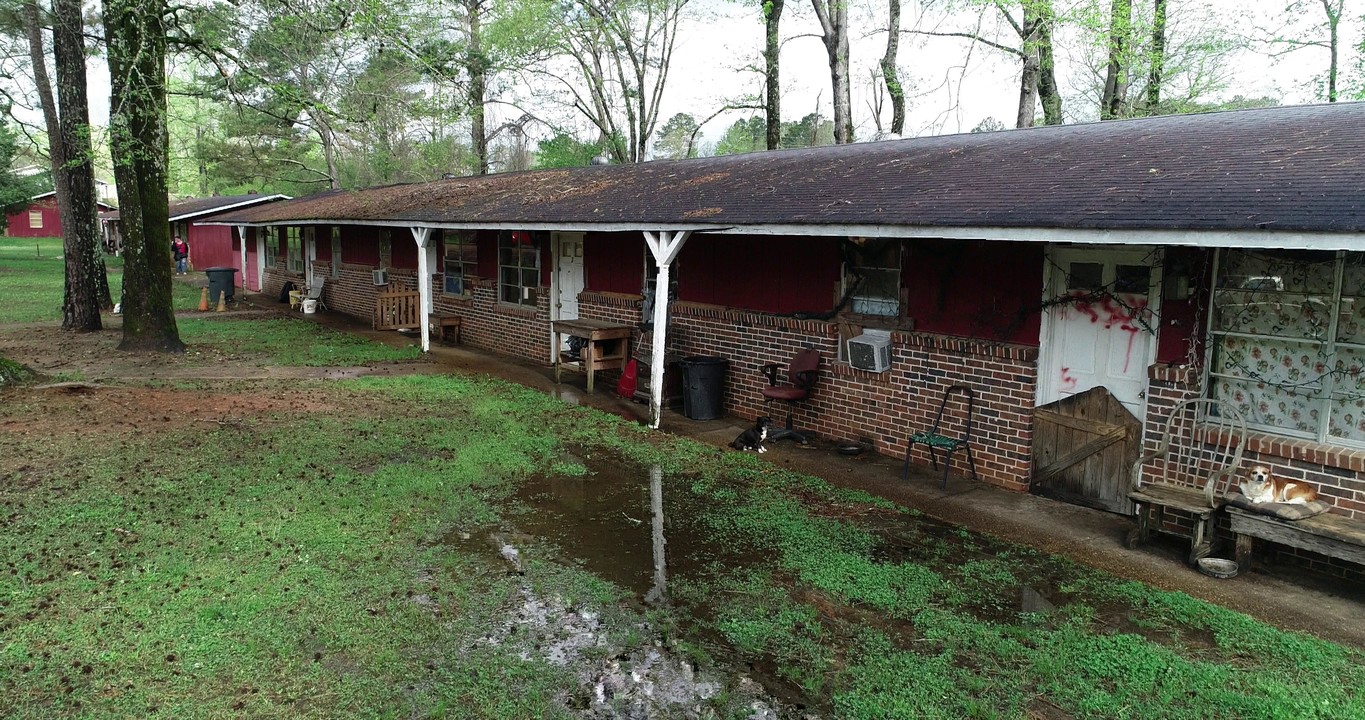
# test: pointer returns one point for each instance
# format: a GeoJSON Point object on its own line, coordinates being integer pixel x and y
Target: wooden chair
{"type": "Point", "coordinates": [1190, 471]}
{"type": "Point", "coordinates": [935, 440]}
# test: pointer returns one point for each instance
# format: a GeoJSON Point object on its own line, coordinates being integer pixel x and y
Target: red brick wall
{"type": "Point", "coordinates": [1338, 474]}
{"type": "Point", "coordinates": [879, 408]}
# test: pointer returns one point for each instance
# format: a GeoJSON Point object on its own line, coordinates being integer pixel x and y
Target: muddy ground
{"type": "Point", "coordinates": [201, 388]}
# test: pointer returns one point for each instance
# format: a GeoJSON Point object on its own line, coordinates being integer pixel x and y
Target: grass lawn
{"type": "Point", "coordinates": [448, 546]}
{"type": "Point", "coordinates": [336, 563]}
{"type": "Point", "coordinates": [31, 281]}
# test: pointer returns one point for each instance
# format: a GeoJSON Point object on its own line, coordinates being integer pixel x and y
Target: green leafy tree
{"type": "Point", "coordinates": [743, 136]}
{"type": "Point", "coordinates": [564, 150]}
{"type": "Point", "coordinates": [809, 131]}
{"type": "Point", "coordinates": [678, 138]}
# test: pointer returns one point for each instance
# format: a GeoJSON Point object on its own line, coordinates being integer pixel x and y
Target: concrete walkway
{"type": "Point", "coordinates": [1282, 596]}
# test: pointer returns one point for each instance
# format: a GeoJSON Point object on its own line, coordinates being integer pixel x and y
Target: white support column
{"type": "Point", "coordinates": [665, 247]}
{"type": "Point", "coordinates": [241, 237]}
{"type": "Point", "coordinates": [421, 235]}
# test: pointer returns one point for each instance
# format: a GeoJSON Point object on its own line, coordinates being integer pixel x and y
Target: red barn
{"type": "Point", "coordinates": [40, 218]}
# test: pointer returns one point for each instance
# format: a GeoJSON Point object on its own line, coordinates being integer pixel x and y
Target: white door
{"type": "Point", "coordinates": [310, 244]}
{"type": "Point", "coordinates": [1099, 323]}
{"type": "Point", "coordinates": [568, 274]}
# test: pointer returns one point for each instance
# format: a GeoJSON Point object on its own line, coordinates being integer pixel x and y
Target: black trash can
{"type": "Point", "coordinates": [221, 280]}
{"type": "Point", "coordinates": [704, 386]}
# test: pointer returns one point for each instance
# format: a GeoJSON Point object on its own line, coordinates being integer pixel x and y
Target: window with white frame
{"type": "Point", "coordinates": [336, 251]}
{"type": "Point", "coordinates": [272, 246]}
{"type": "Point", "coordinates": [518, 266]}
{"type": "Point", "coordinates": [35, 219]}
{"type": "Point", "coordinates": [293, 250]}
{"type": "Point", "coordinates": [461, 261]}
{"type": "Point", "coordinates": [1288, 342]}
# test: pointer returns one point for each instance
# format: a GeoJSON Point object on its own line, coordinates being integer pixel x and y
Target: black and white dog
{"type": "Point", "coordinates": [752, 439]}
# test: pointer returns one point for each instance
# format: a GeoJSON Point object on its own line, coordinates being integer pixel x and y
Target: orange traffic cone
{"type": "Point", "coordinates": [204, 300]}
{"type": "Point", "coordinates": [222, 300]}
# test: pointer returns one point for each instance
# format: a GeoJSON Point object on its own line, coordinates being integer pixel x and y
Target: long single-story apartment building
{"type": "Point", "coordinates": [1216, 255]}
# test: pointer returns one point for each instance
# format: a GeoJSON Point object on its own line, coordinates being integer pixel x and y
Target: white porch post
{"type": "Point", "coordinates": [664, 246]}
{"type": "Point", "coordinates": [421, 235]}
{"type": "Point", "coordinates": [260, 258]}
{"type": "Point", "coordinates": [241, 237]}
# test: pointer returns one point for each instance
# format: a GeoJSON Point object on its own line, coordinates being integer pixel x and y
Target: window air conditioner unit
{"type": "Point", "coordinates": [871, 351]}
{"type": "Point", "coordinates": [380, 276]}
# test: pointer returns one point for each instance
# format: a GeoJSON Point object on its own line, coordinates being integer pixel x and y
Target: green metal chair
{"type": "Point", "coordinates": [937, 441]}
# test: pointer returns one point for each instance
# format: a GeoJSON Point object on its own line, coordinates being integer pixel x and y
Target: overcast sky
{"type": "Point", "coordinates": [948, 95]}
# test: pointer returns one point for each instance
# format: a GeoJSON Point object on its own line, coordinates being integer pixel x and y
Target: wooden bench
{"type": "Point", "coordinates": [1327, 534]}
{"type": "Point", "coordinates": [398, 310]}
{"type": "Point", "coordinates": [440, 325]}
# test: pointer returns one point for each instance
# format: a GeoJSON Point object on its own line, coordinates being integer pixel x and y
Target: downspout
{"type": "Point", "coordinates": [665, 247]}
{"type": "Point", "coordinates": [421, 235]}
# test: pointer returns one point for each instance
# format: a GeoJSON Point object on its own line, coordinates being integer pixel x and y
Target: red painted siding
{"type": "Point", "coordinates": [360, 245]}
{"type": "Point", "coordinates": [323, 237]}
{"type": "Point", "coordinates": [979, 289]}
{"type": "Point", "coordinates": [767, 274]}
{"type": "Point", "coordinates": [1179, 339]}
{"type": "Point", "coordinates": [52, 222]}
{"type": "Point", "coordinates": [614, 262]}
{"type": "Point", "coordinates": [488, 254]}
{"type": "Point", "coordinates": [211, 246]}
{"type": "Point", "coordinates": [403, 250]}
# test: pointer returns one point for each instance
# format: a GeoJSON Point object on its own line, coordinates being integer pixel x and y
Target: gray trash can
{"type": "Point", "coordinates": [221, 280]}
{"type": "Point", "coordinates": [704, 386]}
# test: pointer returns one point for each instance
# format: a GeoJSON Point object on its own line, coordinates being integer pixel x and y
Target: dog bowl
{"type": "Point", "coordinates": [1218, 567]}
{"type": "Point", "coordinates": [850, 448]}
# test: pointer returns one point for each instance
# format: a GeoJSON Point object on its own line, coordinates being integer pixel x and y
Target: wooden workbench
{"type": "Point", "coordinates": [608, 346]}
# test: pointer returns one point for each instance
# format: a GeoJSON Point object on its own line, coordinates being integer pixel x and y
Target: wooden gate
{"type": "Point", "coordinates": [398, 309]}
{"type": "Point", "coordinates": [1083, 448]}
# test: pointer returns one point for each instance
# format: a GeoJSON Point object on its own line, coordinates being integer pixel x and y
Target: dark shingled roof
{"type": "Point", "coordinates": [1289, 169]}
{"type": "Point", "coordinates": [202, 207]}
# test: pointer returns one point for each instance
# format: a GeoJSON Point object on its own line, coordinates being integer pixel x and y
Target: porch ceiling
{"type": "Point", "coordinates": [1284, 175]}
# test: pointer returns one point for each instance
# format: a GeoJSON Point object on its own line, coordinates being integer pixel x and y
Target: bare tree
{"type": "Point", "coordinates": [833, 17]}
{"type": "Point", "coordinates": [1297, 33]}
{"type": "Point", "coordinates": [621, 53]}
{"type": "Point", "coordinates": [890, 74]}
{"type": "Point", "coordinates": [1032, 23]}
{"type": "Point", "coordinates": [772, 55]}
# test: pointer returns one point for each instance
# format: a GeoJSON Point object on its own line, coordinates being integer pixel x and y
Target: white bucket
{"type": "Point", "coordinates": [309, 306]}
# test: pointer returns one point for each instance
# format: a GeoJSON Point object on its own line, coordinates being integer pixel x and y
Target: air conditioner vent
{"type": "Point", "coordinates": [870, 351]}
{"type": "Point", "coordinates": [380, 276]}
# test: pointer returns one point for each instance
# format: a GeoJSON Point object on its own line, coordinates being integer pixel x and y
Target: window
{"type": "Point", "coordinates": [1288, 343]}
{"type": "Point", "coordinates": [272, 246]}
{"type": "Point", "coordinates": [873, 274]}
{"type": "Point", "coordinates": [461, 261]}
{"type": "Point", "coordinates": [336, 251]}
{"type": "Point", "coordinates": [294, 250]}
{"type": "Point", "coordinates": [35, 218]}
{"type": "Point", "coordinates": [518, 267]}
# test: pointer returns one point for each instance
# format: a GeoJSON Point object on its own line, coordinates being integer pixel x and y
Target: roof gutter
{"type": "Point", "coordinates": [1256, 239]}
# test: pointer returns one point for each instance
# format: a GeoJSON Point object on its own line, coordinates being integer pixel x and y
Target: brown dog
{"type": "Point", "coordinates": [1263, 487]}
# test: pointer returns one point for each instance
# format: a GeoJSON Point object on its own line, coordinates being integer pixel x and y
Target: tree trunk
{"type": "Point", "coordinates": [478, 88]}
{"type": "Point", "coordinates": [1158, 57]}
{"type": "Point", "coordinates": [1028, 78]}
{"type": "Point", "coordinates": [833, 15]}
{"type": "Point", "coordinates": [81, 306]}
{"type": "Point", "coordinates": [1333, 10]}
{"type": "Point", "coordinates": [135, 37]}
{"type": "Point", "coordinates": [772, 19]}
{"type": "Point", "coordinates": [1116, 77]}
{"type": "Point", "coordinates": [889, 74]}
{"type": "Point", "coordinates": [1047, 66]}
